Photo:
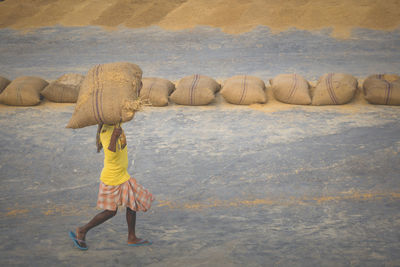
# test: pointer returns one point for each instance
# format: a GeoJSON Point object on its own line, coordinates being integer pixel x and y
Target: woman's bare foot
{"type": "Point", "coordinates": [80, 236]}
{"type": "Point", "coordinates": [138, 241]}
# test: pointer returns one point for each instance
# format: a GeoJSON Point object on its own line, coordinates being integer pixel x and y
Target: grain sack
{"type": "Point", "coordinates": [382, 89]}
{"type": "Point", "coordinates": [244, 90]}
{"type": "Point", "coordinates": [156, 91]}
{"type": "Point", "coordinates": [65, 89]}
{"type": "Point", "coordinates": [334, 89]}
{"type": "Point", "coordinates": [291, 89]}
{"type": "Point", "coordinates": [23, 91]}
{"type": "Point", "coordinates": [3, 83]}
{"type": "Point", "coordinates": [108, 94]}
{"type": "Point", "coordinates": [195, 90]}
{"type": "Point", "coordinates": [387, 77]}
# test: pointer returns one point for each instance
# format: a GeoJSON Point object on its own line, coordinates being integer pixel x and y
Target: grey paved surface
{"type": "Point", "coordinates": [235, 186]}
{"type": "Point", "coordinates": [51, 52]}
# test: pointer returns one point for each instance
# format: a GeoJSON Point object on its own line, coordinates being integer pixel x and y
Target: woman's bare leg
{"type": "Point", "coordinates": [97, 220]}
{"type": "Point", "coordinates": [131, 221]}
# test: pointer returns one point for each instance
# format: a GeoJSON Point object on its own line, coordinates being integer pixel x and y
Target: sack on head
{"type": "Point", "coordinates": [291, 89]}
{"type": "Point", "coordinates": [108, 94]}
{"type": "Point", "coordinates": [65, 89]}
{"type": "Point", "coordinates": [244, 90]}
{"type": "Point", "coordinates": [382, 89]}
{"type": "Point", "coordinates": [23, 91]}
{"type": "Point", "coordinates": [334, 89]}
{"type": "Point", "coordinates": [156, 91]}
{"type": "Point", "coordinates": [195, 90]}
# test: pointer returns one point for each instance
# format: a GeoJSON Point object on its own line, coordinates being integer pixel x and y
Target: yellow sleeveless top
{"type": "Point", "coordinates": [115, 170]}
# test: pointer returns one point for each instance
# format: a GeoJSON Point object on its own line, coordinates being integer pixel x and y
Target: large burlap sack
{"type": "Point", "coordinates": [386, 77]}
{"type": "Point", "coordinates": [334, 89]}
{"type": "Point", "coordinates": [244, 90]}
{"type": "Point", "coordinates": [382, 89]}
{"type": "Point", "coordinates": [291, 89]}
{"type": "Point", "coordinates": [195, 90]}
{"type": "Point", "coordinates": [23, 91]}
{"type": "Point", "coordinates": [107, 95]}
{"type": "Point", "coordinates": [3, 83]}
{"type": "Point", "coordinates": [65, 89]}
{"type": "Point", "coordinates": [156, 91]}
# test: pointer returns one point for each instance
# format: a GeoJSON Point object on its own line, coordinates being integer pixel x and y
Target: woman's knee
{"type": "Point", "coordinates": [111, 213]}
{"type": "Point", "coordinates": [130, 210]}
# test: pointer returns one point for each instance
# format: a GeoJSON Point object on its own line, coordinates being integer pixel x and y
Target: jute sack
{"type": "Point", "coordinates": [23, 91]}
{"type": "Point", "coordinates": [386, 77]}
{"type": "Point", "coordinates": [156, 91]}
{"type": "Point", "coordinates": [107, 95]}
{"type": "Point", "coordinates": [382, 89]}
{"type": "Point", "coordinates": [3, 83]}
{"type": "Point", "coordinates": [195, 90]}
{"type": "Point", "coordinates": [334, 89]}
{"type": "Point", "coordinates": [65, 89]}
{"type": "Point", "coordinates": [291, 89]}
{"type": "Point", "coordinates": [244, 90]}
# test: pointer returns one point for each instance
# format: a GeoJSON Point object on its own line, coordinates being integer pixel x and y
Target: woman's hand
{"type": "Point", "coordinates": [114, 138]}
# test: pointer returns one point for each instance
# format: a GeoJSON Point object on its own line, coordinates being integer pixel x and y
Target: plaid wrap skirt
{"type": "Point", "coordinates": [129, 194]}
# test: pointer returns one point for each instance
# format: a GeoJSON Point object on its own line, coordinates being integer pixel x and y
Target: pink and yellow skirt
{"type": "Point", "coordinates": [129, 194]}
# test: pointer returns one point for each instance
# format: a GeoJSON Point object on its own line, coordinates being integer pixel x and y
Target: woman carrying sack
{"type": "Point", "coordinates": [117, 187]}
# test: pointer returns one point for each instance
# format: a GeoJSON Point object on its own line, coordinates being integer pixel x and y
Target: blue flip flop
{"type": "Point", "coordinates": [141, 243]}
{"type": "Point", "coordinates": [76, 241]}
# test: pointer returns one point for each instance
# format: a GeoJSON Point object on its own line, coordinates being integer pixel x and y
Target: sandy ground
{"type": "Point", "coordinates": [232, 16]}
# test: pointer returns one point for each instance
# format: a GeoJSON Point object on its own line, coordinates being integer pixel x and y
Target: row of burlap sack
{"type": "Point", "coordinates": [112, 93]}
{"type": "Point", "coordinates": [336, 89]}
{"type": "Point", "coordinates": [107, 94]}
{"type": "Point", "coordinates": [29, 90]}
{"type": "Point", "coordinates": [331, 89]}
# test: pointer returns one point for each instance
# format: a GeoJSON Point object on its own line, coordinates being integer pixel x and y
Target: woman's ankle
{"type": "Point", "coordinates": [80, 232]}
{"type": "Point", "coordinates": [132, 237]}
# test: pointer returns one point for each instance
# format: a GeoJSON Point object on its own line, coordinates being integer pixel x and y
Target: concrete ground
{"type": "Point", "coordinates": [234, 186]}
{"type": "Point", "coordinates": [264, 185]}
{"type": "Point", "coordinates": [53, 51]}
